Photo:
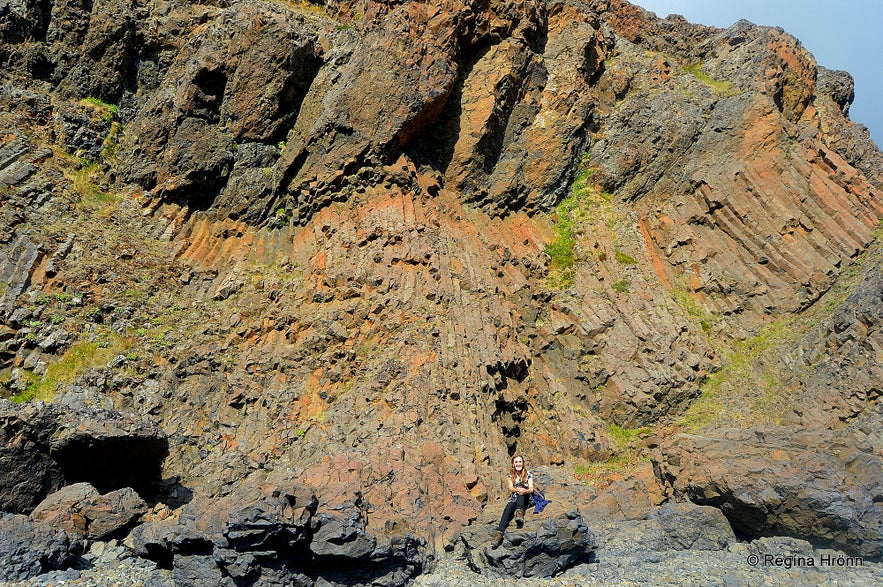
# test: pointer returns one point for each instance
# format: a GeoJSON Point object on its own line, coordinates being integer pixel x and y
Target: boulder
{"type": "Point", "coordinates": [44, 447]}
{"type": "Point", "coordinates": [672, 532]}
{"type": "Point", "coordinates": [687, 526]}
{"type": "Point", "coordinates": [28, 549]}
{"type": "Point", "coordinates": [617, 497]}
{"type": "Point", "coordinates": [253, 518]}
{"type": "Point", "coordinates": [275, 535]}
{"type": "Point", "coordinates": [199, 570]}
{"type": "Point", "coordinates": [821, 486]}
{"type": "Point", "coordinates": [670, 528]}
{"type": "Point", "coordinates": [80, 510]}
{"type": "Point", "coordinates": [542, 549]}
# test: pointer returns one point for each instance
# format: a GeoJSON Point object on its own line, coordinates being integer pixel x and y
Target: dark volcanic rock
{"type": "Point", "coordinates": [688, 526]}
{"type": "Point", "coordinates": [82, 130]}
{"type": "Point", "coordinates": [21, 257]}
{"type": "Point", "coordinates": [240, 79]}
{"type": "Point", "coordinates": [100, 64]}
{"type": "Point", "coordinates": [80, 510]}
{"type": "Point", "coordinates": [671, 527]}
{"type": "Point", "coordinates": [57, 445]}
{"type": "Point", "coordinates": [28, 549]}
{"type": "Point", "coordinates": [252, 519]}
{"type": "Point", "coordinates": [840, 362]}
{"type": "Point", "coordinates": [27, 472]}
{"type": "Point", "coordinates": [851, 140]}
{"type": "Point", "coordinates": [23, 20]}
{"type": "Point", "coordinates": [541, 549]}
{"type": "Point", "coordinates": [821, 486]}
{"type": "Point", "coordinates": [274, 535]}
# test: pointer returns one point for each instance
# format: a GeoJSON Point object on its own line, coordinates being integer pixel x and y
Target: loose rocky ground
{"type": "Point", "coordinates": [112, 565]}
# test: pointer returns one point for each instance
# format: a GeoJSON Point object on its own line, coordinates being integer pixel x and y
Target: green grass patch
{"type": "Point", "coordinates": [561, 250]}
{"type": "Point", "coordinates": [628, 458]}
{"type": "Point", "coordinates": [704, 410]}
{"type": "Point", "coordinates": [694, 309]}
{"type": "Point", "coordinates": [302, 6]}
{"type": "Point", "coordinates": [78, 358]}
{"type": "Point", "coordinates": [618, 464]}
{"type": "Point", "coordinates": [92, 197]}
{"type": "Point", "coordinates": [744, 377]}
{"type": "Point", "coordinates": [111, 143]}
{"type": "Point", "coordinates": [724, 88]}
{"type": "Point", "coordinates": [569, 214]}
{"type": "Point", "coordinates": [624, 438]}
{"type": "Point", "coordinates": [750, 389]}
{"type": "Point", "coordinates": [621, 286]}
{"type": "Point", "coordinates": [107, 111]}
{"type": "Point", "coordinates": [624, 259]}
{"type": "Point", "coordinates": [585, 210]}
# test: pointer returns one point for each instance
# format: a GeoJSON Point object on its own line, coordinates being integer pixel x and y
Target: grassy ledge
{"type": "Point", "coordinates": [628, 458]}
{"type": "Point", "coordinates": [78, 358]}
{"type": "Point", "coordinates": [569, 213]}
{"type": "Point", "coordinates": [108, 111]}
{"type": "Point", "coordinates": [741, 373]}
{"type": "Point", "coordinates": [724, 88]}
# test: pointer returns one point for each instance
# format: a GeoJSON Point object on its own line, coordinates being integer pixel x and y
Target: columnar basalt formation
{"type": "Point", "coordinates": [374, 248]}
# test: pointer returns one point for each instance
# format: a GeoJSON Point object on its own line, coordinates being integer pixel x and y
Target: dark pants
{"type": "Point", "coordinates": [519, 503]}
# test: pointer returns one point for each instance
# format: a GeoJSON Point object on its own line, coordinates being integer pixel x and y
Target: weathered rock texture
{"type": "Point", "coordinates": [322, 244]}
{"type": "Point", "coordinates": [44, 447]}
{"type": "Point", "coordinates": [542, 549]}
{"type": "Point", "coordinates": [822, 486]}
{"type": "Point", "coordinates": [822, 362]}
{"type": "Point", "coordinates": [28, 549]}
{"type": "Point", "coordinates": [671, 527]}
{"type": "Point", "coordinates": [80, 510]}
{"type": "Point", "coordinates": [276, 536]}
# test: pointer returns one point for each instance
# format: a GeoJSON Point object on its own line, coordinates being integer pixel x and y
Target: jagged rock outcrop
{"type": "Point", "coordinates": [44, 447]}
{"type": "Point", "coordinates": [825, 357]}
{"type": "Point", "coordinates": [701, 215]}
{"type": "Point", "coordinates": [542, 549]}
{"type": "Point", "coordinates": [822, 486]}
{"type": "Point", "coordinates": [246, 73]}
{"type": "Point", "coordinates": [276, 536]}
{"type": "Point", "coordinates": [28, 549]}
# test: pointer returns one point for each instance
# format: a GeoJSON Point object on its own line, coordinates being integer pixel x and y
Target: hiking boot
{"type": "Point", "coordinates": [498, 538]}
{"type": "Point", "coordinates": [519, 518]}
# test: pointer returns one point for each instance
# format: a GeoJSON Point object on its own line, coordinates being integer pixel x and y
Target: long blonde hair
{"type": "Point", "coordinates": [516, 478]}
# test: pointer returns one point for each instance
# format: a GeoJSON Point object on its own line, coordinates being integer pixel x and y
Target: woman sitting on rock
{"type": "Point", "coordinates": [521, 485]}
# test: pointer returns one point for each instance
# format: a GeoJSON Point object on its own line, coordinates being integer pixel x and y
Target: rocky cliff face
{"type": "Point", "coordinates": [374, 248]}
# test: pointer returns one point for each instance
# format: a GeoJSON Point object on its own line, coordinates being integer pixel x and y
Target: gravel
{"type": "Point", "coordinates": [113, 565]}
{"type": "Point", "coordinates": [729, 568]}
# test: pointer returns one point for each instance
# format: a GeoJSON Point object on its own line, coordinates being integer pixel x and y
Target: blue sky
{"type": "Point", "coordinates": [844, 35]}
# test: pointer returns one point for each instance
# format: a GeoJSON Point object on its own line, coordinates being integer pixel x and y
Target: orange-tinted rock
{"type": "Point", "coordinates": [340, 273]}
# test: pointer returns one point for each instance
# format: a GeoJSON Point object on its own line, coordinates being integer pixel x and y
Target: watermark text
{"type": "Point", "coordinates": [796, 560]}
